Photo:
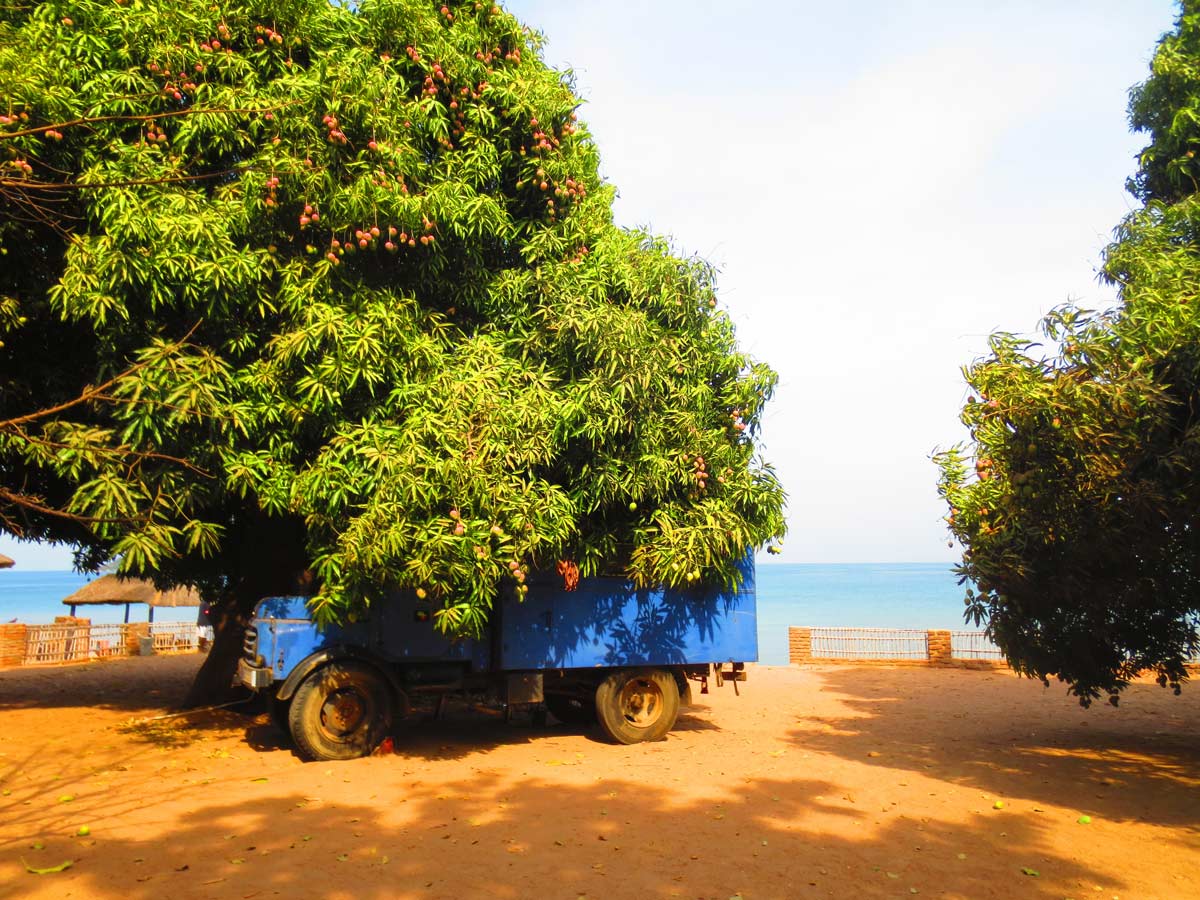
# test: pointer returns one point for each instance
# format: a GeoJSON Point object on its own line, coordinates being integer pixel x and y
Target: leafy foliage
{"type": "Point", "coordinates": [1080, 517]}
{"type": "Point", "coordinates": [349, 278]}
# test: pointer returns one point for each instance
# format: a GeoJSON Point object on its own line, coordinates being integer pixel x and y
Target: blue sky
{"type": "Point", "coordinates": [882, 185]}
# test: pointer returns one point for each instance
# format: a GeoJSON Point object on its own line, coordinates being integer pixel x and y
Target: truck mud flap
{"type": "Point", "coordinates": [524, 688]}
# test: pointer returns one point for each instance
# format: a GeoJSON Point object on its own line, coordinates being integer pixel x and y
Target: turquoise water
{"type": "Point", "coordinates": [881, 595]}
{"type": "Point", "coordinates": [854, 595]}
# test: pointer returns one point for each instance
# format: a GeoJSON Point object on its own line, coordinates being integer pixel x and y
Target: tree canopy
{"type": "Point", "coordinates": [292, 286]}
{"type": "Point", "coordinates": [1081, 517]}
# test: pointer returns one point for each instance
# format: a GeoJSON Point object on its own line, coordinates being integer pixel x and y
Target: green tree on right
{"type": "Point", "coordinates": [1077, 497]}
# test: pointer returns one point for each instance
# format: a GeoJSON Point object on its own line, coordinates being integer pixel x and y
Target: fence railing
{"type": "Point", "coordinates": [57, 643]}
{"type": "Point", "coordinates": [973, 645]}
{"type": "Point", "coordinates": [77, 640]}
{"type": "Point", "coordinates": [107, 640]}
{"type": "Point", "coordinates": [968, 649]}
{"type": "Point", "coordinates": [174, 636]}
{"type": "Point", "coordinates": [898, 645]}
{"type": "Point", "coordinates": [870, 643]}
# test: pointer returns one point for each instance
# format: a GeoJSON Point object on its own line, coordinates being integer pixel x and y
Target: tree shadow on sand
{"type": "Point", "coordinates": [150, 687]}
{"type": "Point", "coordinates": [466, 729]}
{"type": "Point", "coordinates": [127, 683]}
{"type": "Point", "coordinates": [495, 835]}
{"type": "Point", "coordinates": [1138, 762]}
{"type": "Point", "coordinates": [543, 825]}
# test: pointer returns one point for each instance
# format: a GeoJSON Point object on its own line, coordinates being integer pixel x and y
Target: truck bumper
{"type": "Point", "coordinates": [254, 677]}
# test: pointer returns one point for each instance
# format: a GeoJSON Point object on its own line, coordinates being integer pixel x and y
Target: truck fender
{"type": "Point", "coordinates": [314, 661]}
{"type": "Point", "coordinates": [685, 689]}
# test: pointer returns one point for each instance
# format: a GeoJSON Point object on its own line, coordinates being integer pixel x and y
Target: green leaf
{"type": "Point", "coordinates": [223, 374]}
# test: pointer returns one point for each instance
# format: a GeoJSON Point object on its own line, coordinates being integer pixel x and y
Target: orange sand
{"type": "Point", "coordinates": [816, 782]}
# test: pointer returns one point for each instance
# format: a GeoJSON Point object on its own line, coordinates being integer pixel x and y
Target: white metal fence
{"type": "Point", "coordinates": [973, 645]}
{"type": "Point", "coordinates": [870, 643]}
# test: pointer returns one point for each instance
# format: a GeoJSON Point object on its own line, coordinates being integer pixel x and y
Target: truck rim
{"type": "Point", "coordinates": [641, 702]}
{"type": "Point", "coordinates": [343, 712]}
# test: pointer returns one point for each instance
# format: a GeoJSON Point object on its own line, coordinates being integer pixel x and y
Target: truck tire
{"type": "Point", "coordinates": [340, 711]}
{"type": "Point", "coordinates": [572, 709]}
{"type": "Point", "coordinates": [635, 705]}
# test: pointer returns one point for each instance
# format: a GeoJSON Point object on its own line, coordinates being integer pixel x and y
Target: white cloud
{"type": "Point", "coordinates": [881, 187]}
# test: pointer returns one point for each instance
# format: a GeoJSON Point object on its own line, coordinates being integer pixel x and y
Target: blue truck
{"type": "Point", "coordinates": [606, 652]}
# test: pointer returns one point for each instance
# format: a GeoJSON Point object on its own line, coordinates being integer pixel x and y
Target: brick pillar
{"type": "Point", "coordinates": [940, 653]}
{"type": "Point", "coordinates": [12, 645]}
{"type": "Point", "coordinates": [131, 633]}
{"type": "Point", "coordinates": [799, 645]}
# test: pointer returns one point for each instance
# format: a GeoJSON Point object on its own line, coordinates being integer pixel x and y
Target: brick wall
{"type": "Point", "coordinates": [799, 644]}
{"type": "Point", "coordinates": [12, 645]}
{"type": "Point", "coordinates": [940, 653]}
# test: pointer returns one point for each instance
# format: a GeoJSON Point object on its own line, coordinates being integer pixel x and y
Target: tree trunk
{"type": "Point", "coordinates": [214, 682]}
{"type": "Point", "coordinates": [270, 560]}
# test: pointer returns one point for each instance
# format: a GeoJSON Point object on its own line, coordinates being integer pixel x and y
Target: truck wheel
{"type": "Point", "coordinates": [340, 711]}
{"type": "Point", "coordinates": [635, 705]}
{"type": "Point", "coordinates": [572, 709]}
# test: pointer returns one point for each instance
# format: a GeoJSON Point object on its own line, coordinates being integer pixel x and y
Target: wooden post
{"type": "Point", "coordinates": [940, 652]}
{"type": "Point", "coordinates": [799, 644]}
{"type": "Point", "coordinates": [12, 645]}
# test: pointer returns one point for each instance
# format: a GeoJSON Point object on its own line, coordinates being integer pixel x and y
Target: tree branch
{"type": "Point", "coordinates": [34, 503]}
{"type": "Point", "coordinates": [100, 185]}
{"type": "Point", "coordinates": [88, 120]}
{"type": "Point", "coordinates": [93, 393]}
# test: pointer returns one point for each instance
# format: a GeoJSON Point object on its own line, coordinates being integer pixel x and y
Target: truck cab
{"type": "Point", "coordinates": [607, 653]}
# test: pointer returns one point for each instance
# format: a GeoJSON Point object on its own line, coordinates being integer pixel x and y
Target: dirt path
{"type": "Point", "coordinates": [820, 782]}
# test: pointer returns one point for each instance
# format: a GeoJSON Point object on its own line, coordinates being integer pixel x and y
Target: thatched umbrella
{"type": "Point", "coordinates": [112, 590]}
{"type": "Point", "coordinates": [5, 562]}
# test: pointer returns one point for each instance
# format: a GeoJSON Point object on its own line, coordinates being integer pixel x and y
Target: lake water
{"type": "Point", "coordinates": [36, 598]}
{"type": "Point", "coordinates": [880, 595]}
{"type": "Point", "coordinates": [854, 595]}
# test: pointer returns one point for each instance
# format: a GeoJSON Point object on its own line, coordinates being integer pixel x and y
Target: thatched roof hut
{"type": "Point", "coordinates": [113, 590]}
{"type": "Point", "coordinates": [5, 562]}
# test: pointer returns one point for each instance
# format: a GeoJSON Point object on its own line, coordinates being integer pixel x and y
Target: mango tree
{"type": "Point", "coordinates": [1077, 499]}
{"type": "Point", "coordinates": [302, 297]}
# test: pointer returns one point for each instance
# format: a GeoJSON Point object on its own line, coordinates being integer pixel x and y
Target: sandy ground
{"type": "Point", "coordinates": [817, 782]}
